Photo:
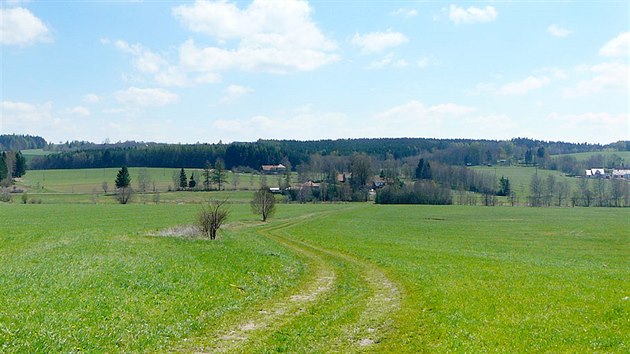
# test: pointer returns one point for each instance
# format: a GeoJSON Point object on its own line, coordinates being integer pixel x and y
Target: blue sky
{"type": "Point", "coordinates": [204, 71]}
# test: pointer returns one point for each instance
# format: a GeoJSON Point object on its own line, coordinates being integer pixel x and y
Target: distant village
{"type": "Point", "coordinates": [603, 173]}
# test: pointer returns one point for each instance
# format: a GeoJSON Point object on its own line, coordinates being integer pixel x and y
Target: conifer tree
{"type": "Point", "coordinates": [183, 180]}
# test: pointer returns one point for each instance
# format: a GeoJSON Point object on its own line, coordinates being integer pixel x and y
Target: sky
{"type": "Point", "coordinates": [210, 71]}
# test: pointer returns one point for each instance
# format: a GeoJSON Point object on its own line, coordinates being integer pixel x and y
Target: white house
{"type": "Point", "coordinates": [621, 174]}
{"type": "Point", "coordinates": [595, 172]}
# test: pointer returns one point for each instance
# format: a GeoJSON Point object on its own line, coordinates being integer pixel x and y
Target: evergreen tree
{"type": "Point", "coordinates": [123, 184]}
{"type": "Point", "coordinates": [122, 178]}
{"type": "Point", "coordinates": [504, 186]}
{"type": "Point", "coordinates": [423, 171]}
{"type": "Point", "coordinates": [3, 167]}
{"type": "Point", "coordinates": [192, 183]}
{"type": "Point", "coordinates": [219, 175]}
{"type": "Point", "coordinates": [183, 180]}
{"type": "Point", "coordinates": [207, 176]}
{"type": "Point", "coordinates": [20, 165]}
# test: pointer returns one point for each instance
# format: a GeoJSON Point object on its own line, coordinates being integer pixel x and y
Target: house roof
{"type": "Point", "coordinates": [273, 167]}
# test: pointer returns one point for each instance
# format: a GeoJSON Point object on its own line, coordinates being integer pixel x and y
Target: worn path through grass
{"type": "Point", "coordinates": [344, 304]}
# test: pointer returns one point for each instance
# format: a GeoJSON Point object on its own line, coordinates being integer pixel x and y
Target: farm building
{"type": "Point", "coordinates": [595, 172]}
{"type": "Point", "coordinates": [621, 174]}
{"type": "Point", "coordinates": [343, 177]}
{"type": "Point", "coordinates": [274, 169]}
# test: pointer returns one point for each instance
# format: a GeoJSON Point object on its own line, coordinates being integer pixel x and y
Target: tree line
{"type": "Point", "coordinates": [21, 142]}
{"type": "Point", "coordinates": [254, 154]}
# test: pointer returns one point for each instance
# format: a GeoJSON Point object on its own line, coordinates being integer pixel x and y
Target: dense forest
{"type": "Point", "coordinates": [21, 142]}
{"type": "Point", "coordinates": [254, 154]}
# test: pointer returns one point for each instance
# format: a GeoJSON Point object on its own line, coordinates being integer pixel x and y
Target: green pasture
{"type": "Point", "coordinates": [88, 181]}
{"type": "Point", "coordinates": [520, 176]}
{"type": "Point", "coordinates": [492, 279]}
{"type": "Point", "coordinates": [89, 278]}
{"type": "Point", "coordinates": [29, 154]}
{"type": "Point", "coordinates": [583, 156]}
{"type": "Point", "coordinates": [382, 279]}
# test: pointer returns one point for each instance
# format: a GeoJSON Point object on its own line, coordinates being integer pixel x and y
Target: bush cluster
{"type": "Point", "coordinates": [421, 192]}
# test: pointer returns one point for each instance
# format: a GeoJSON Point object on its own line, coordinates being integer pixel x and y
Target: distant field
{"type": "Point", "coordinates": [583, 156]}
{"type": "Point", "coordinates": [520, 177]}
{"type": "Point", "coordinates": [318, 278]}
{"type": "Point", "coordinates": [86, 181]}
{"type": "Point", "coordinates": [29, 154]}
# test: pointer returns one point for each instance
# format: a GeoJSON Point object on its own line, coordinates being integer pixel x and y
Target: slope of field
{"type": "Point", "coordinates": [583, 156]}
{"type": "Point", "coordinates": [87, 278]}
{"type": "Point", "coordinates": [87, 181]}
{"type": "Point", "coordinates": [494, 279]}
{"type": "Point", "coordinates": [29, 154]}
{"type": "Point", "coordinates": [521, 176]}
{"type": "Point", "coordinates": [324, 278]}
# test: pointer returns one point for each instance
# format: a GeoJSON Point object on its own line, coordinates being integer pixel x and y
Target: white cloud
{"type": "Point", "coordinates": [146, 97]}
{"type": "Point", "coordinates": [144, 60]}
{"type": "Point", "coordinates": [79, 111]}
{"type": "Point", "coordinates": [425, 62]}
{"type": "Point", "coordinates": [234, 92]}
{"type": "Point", "coordinates": [472, 14]}
{"type": "Point", "coordinates": [558, 31]}
{"type": "Point", "coordinates": [608, 77]}
{"type": "Point", "coordinates": [524, 86]}
{"type": "Point", "coordinates": [448, 120]}
{"type": "Point", "coordinates": [388, 60]}
{"type": "Point", "coordinates": [272, 36]}
{"type": "Point", "coordinates": [18, 26]}
{"type": "Point", "coordinates": [617, 47]}
{"type": "Point", "coordinates": [33, 119]}
{"type": "Point", "coordinates": [590, 126]}
{"type": "Point", "coordinates": [91, 98]}
{"type": "Point", "coordinates": [304, 126]}
{"type": "Point", "coordinates": [415, 112]}
{"type": "Point", "coordinates": [378, 41]}
{"type": "Point", "coordinates": [405, 13]}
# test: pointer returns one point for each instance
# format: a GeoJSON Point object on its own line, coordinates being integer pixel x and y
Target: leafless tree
{"type": "Point", "coordinates": [143, 180]}
{"type": "Point", "coordinates": [211, 217]}
{"type": "Point", "coordinates": [123, 194]}
{"type": "Point", "coordinates": [105, 187]}
{"type": "Point", "coordinates": [263, 203]}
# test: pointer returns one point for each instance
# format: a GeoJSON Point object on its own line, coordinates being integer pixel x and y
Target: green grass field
{"type": "Point", "coordinates": [82, 273]}
{"type": "Point", "coordinates": [87, 181]}
{"type": "Point", "coordinates": [520, 176]}
{"type": "Point", "coordinates": [582, 156]}
{"type": "Point", "coordinates": [317, 278]}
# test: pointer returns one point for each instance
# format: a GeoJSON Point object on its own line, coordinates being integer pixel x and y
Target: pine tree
{"type": "Point", "coordinates": [183, 180]}
{"type": "Point", "coordinates": [20, 165]}
{"type": "Point", "coordinates": [123, 182]}
{"type": "Point", "coordinates": [192, 183]}
{"type": "Point", "coordinates": [3, 167]}
{"type": "Point", "coordinates": [123, 179]}
{"type": "Point", "coordinates": [219, 175]}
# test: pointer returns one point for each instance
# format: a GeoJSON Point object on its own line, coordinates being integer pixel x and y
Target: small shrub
{"type": "Point", "coordinates": [211, 218]}
{"type": "Point", "coordinates": [5, 195]}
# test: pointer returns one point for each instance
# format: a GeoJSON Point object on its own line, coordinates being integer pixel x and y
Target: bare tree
{"type": "Point", "coordinates": [105, 187]}
{"type": "Point", "coordinates": [263, 203]}
{"type": "Point", "coordinates": [143, 180]}
{"type": "Point", "coordinates": [235, 179]}
{"type": "Point", "coordinates": [211, 217]}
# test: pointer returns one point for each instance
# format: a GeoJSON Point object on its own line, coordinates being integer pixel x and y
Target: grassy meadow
{"type": "Point", "coordinates": [355, 277]}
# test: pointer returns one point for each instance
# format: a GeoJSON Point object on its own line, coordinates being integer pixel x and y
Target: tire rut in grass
{"type": "Point", "coordinates": [273, 316]}
{"type": "Point", "coordinates": [365, 334]}
{"type": "Point", "coordinates": [385, 299]}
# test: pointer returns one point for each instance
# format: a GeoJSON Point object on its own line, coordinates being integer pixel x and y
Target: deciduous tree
{"type": "Point", "coordinates": [211, 217]}
{"type": "Point", "coordinates": [263, 203]}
